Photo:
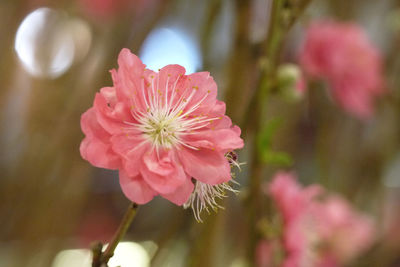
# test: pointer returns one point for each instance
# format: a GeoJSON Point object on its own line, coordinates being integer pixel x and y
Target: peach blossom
{"type": "Point", "coordinates": [342, 55]}
{"type": "Point", "coordinates": [160, 130]}
{"type": "Point", "coordinates": [317, 225]}
{"type": "Point", "coordinates": [293, 202]}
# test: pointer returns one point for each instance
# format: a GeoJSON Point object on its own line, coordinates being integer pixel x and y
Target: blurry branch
{"type": "Point", "coordinates": [256, 106]}
{"type": "Point", "coordinates": [284, 13]}
{"type": "Point", "coordinates": [207, 30]}
{"type": "Point", "coordinates": [162, 8]}
{"type": "Point", "coordinates": [239, 68]}
{"type": "Point", "coordinates": [282, 20]}
{"type": "Point", "coordinates": [201, 252]}
{"type": "Point", "coordinates": [168, 233]}
{"type": "Point", "coordinates": [297, 11]}
{"type": "Point", "coordinates": [100, 259]}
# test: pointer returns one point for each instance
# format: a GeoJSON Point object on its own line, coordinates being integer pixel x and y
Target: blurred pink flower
{"type": "Point", "coordinates": [335, 220]}
{"type": "Point", "coordinates": [341, 54]}
{"type": "Point", "coordinates": [111, 9]}
{"type": "Point", "coordinates": [316, 231]}
{"type": "Point", "coordinates": [293, 202]}
{"type": "Point", "coordinates": [264, 254]}
{"type": "Point", "coordinates": [301, 85]}
{"type": "Point", "coordinates": [98, 224]}
{"type": "Point", "coordinates": [159, 130]}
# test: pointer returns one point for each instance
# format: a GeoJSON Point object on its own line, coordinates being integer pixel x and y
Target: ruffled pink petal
{"type": "Point", "coordinates": [135, 188]}
{"type": "Point", "coordinates": [132, 81]}
{"type": "Point", "coordinates": [219, 108]}
{"type": "Point", "coordinates": [110, 95]}
{"type": "Point", "coordinates": [162, 172]}
{"type": "Point", "coordinates": [99, 154]}
{"type": "Point", "coordinates": [207, 166]}
{"type": "Point", "coordinates": [96, 147]}
{"type": "Point", "coordinates": [112, 119]}
{"type": "Point", "coordinates": [237, 130]}
{"type": "Point", "coordinates": [91, 127]}
{"type": "Point", "coordinates": [181, 195]}
{"type": "Point", "coordinates": [205, 92]}
{"type": "Point", "coordinates": [223, 140]}
{"type": "Point", "coordinates": [171, 76]}
{"type": "Point", "coordinates": [218, 111]}
{"type": "Point", "coordinates": [131, 149]}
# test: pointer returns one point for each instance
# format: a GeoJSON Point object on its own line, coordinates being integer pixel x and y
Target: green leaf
{"type": "Point", "coordinates": [264, 145]}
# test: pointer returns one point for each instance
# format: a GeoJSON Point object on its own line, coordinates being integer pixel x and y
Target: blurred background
{"type": "Point", "coordinates": [54, 56]}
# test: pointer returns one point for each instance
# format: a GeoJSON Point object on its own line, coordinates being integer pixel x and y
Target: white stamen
{"type": "Point", "coordinates": [164, 122]}
{"type": "Point", "coordinates": [204, 197]}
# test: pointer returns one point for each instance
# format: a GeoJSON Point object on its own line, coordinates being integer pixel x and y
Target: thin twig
{"type": "Point", "coordinates": [102, 260]}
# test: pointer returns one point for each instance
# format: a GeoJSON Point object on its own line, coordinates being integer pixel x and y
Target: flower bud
{"type": "Point", "coordinates": [291, 82]}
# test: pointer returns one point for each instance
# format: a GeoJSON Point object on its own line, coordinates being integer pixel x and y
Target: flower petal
{"type": "Point", "coordinates": [206, 92]}
{"type": "Point", "coordinates": [131, 149]}
{"type": "Point", "coordinates": [128, 77]}
{"type": "Point", "coordinates": [135, 188]}
{"type": "Point", "coordinates": [224, 140]}
{"type": "Point", "coordinates": [99, 154]}
{"type": "Point", "coordinates": [205, 165]}
{"type": "Point", "coordinates": [96, 147]}
{"type": "Point", "coordinates": [181, 195]}
{"type": "Point", "coordinates": [162, 172]}
{"type": "Point", "coordinates": [111, 118]}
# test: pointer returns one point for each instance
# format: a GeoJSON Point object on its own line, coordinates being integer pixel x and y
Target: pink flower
{"type": "Point", "coordinates": [316, 230]}
{"type": "Point", "coordinates": [293, 203]}
{"type": "Point", "coordinates": [301, 85]}
{"type": "Point", "coordinates": [341, 54]}
{"type": "Point", "coordinates": [106, 10]}
{"type": "Point", "coordinates": [335, 221]}
{"type": "Point", "coordinates": [159, 130]}
{"type": "Point", "coordinates": [264, 254]}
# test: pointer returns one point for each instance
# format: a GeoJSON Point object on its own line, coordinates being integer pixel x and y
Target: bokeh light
{"type": "Point", "coordinates": [73, 257]}
{"type": "Point", "coordinates": [176, 48]}
{"type": "Point", "coordinates": [127, 254]}
{"type": "Point", "coordinates": [48, 41]}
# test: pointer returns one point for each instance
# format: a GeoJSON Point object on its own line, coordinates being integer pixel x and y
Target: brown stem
{"type": "Point", "coordinates": [207, 30]}
{"type": "Point", "coordinates": [278, 28]}
{"type": "Point", "coordinates": [101, 259]}
{"type": "Point", "coordinates": [239, 65]}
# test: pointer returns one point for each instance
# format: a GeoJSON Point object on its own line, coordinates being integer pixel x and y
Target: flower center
{"type": "Point", "coordinates": [169, 115]}
{"type": "Point", "coordinates": [161, 130]}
